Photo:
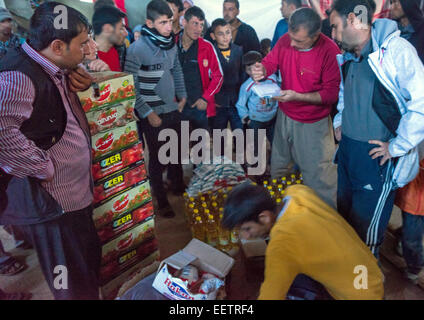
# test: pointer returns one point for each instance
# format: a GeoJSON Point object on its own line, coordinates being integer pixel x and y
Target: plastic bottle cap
{"type": "Point", "coordinates": [280, 186]}
{"type": "Point", "coordinates": [196, 211]}
{"type": "Point", "coordinates": [289, 182]}
{"type": "Point", "coordinates": [203, 199]}
{"type": "Point", "coordinates": [210, 217]}
{"type": "Point", "coordinates": [293, 176]}
{"type": "Point", "coordinates": [191, 199]}
{"type": "Point", "coordinates": [274, 181]}
{"type": "Point", "coordinates": [221, 216]}
{"type": "Point", "coordinates": [298, 182]}
{"type": "Point", "coordinates": [191, 205]}
{"type": "Point", "coordinates": [207, 211]}
{"type": "Point", "coordinates": [284, 179]}
{"type": "Point", "coordinates": [214, 204]}
{"type": "Point", "coordinates": [269, 188]}
{"type": "Point", "coordinates": [265, 182]}
{"type": "Point", "coordinates": [221, 209]}
{"type": "Point", "coordinates": [198, 219]}
{"type": "Point", "coordinates": [204, 205]}
{"type": "Point", "coordinates": [278, 200]}
{"type": "Point", "coordinates": [272, 193]}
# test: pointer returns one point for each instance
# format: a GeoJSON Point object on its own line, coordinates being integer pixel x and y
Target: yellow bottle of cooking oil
{"type": "Point", "coordinates": [298, 181]}
{"type": "Point", "coordinates": [293, 178]}
{"type": "Point", "coordinates": [289, 183]}
{"type": "Point", "coordinates": [234, 236]}
{"type": "Point", "coordinates": [279, 201]}
{"type": "Point", "coordinates": [224, 237]}
{"type": "Point", "coordinates": [203, 209]}
{"type": "Point", "coordinates": [272, 194]}
{"type": "Point", "coordinates": [228, 190]}
{"type": "Point", "coordinates": [282, 194]}
{"type": "Point", "coordinates": [212, 234]}
{"type": "Point", "coordinates": [215, 209]}
{"type": "Point", "coordinates": [284, 182]}
{"type": "Point", "coordinates": [279, 189]}
{"type": "Point", "coordinates": [198, 229]}
{"type": "Point", "coordinates": [189, 213]}
{"type": "Point", "coordinates": [270, 189]}
{"type": "Point", "coordinates": [301, 177]}
{"type": "Point", "coordinates": [224, 199]}
{"type": "Point", "coordinates": [265, 184]}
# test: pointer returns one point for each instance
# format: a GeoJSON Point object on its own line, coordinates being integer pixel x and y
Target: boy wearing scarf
{"type": "Point", "coordinates": [159, 79]}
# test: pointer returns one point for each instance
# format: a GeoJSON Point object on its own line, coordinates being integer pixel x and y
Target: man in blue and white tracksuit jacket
{"type": "Point", "coordinates": [380, 121]}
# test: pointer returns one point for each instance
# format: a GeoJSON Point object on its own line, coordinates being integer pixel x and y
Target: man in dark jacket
{"type": "Point", "coordinates": [410, 21]}
{"type": "Point", "coordinates": [45, 158]}
{"type": "Point", "coordinates": [243, 34]}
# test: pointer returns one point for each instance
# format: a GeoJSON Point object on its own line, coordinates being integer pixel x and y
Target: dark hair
{"type": "Point", "coordinates": [307, 18]}
{"type": "Point", "coordinates": [178, 3]}
{"type": "Point", "coordinates": [265, 45]}
{"type": "Point", "coordinates": [245, 203]}
{"type": "Point", "coordinates": [296, 3]}
{"type": "Point", "coordinates": [42, 30]}
{"type": "Point", "coordinates": [194, 12]}
{"type": "Point", "coordinates": [218, 23]}
{"type": "Point", "coordinates": [101, 3]}
{"type": "Point", "coordinates": [345, 7]}
{"type": "Point", "coordinates": [157, 8]}
{"type": "Point", "coordinates": [236, 2]}
{"type": "Point", "coordinates": [106, 15]}
{"type": "Point", "coordinates": [251, 57]}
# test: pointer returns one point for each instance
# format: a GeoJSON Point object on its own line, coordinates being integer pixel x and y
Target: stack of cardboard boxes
{"type": "Point", "coordinates": [123, 210]}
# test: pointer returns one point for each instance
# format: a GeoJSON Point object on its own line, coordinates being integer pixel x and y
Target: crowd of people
{"type": "Point", "coordinates": [349, 117]}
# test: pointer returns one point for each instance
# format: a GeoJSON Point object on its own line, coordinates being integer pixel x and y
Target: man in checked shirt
{"type": "Point", "coordinates": [45, 146]}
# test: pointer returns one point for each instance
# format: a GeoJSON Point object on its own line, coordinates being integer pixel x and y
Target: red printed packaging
{"type": "Point", "coordinates": [127, 259]}
{"type": "Point", "coordinates": [121, 204]}
{"type": "Point", "coordinates": [125, 222]}
{"type": "Point", "coordinates": [114, 184]}
{"type": "Point", "coordinates": [114, 140]}
{"type": "Point", "coordinates": [117, 162]}
{"type": "Point", "coordinates": [129, 240]}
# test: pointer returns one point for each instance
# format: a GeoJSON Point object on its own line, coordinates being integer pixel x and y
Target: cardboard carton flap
{"type": "Point", "coordinates": [107, 75]}
{"type": "Point", "coordinates": [180, 260]}
{"type": "Point", "coordinates": [209, 258]}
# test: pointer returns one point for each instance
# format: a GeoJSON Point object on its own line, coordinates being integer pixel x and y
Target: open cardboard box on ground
{"type": "Point", "coordinates": [202, 256]}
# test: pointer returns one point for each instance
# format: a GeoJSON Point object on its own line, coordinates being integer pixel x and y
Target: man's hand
{"type": "Point", "coordinates": [382, 151]}
{"type": "Point", "coordinates": [287, 96]}
{"type": "Point", "coordinates": [338, 134]}
{"type": "Point", "coordinates": [98, 66]}
{"type": "Point", "coordinates": [154, 120]}
{"type": "Point", "coordinates": [200, 104]}
{"type": "Point", "coordinates": [181, 104]}
{"type": "Point", "coordinates": [256, 71]}
{"type": "Point", "coordinates": [79, 80]}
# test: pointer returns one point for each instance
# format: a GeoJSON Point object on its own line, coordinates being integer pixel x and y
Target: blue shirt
{"type": "Point", "coordinates": [252, 106]}
{"type": "Point", "coordinates": [280, 30]}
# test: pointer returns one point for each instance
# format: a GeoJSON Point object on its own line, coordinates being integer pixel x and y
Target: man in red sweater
{"type": "Point", "coordinates": [310, 84]}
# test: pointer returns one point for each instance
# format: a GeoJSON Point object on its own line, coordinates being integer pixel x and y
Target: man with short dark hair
{"type": "Point", "coordinates": [243, 34]}
{"type": "Point", "coordinates": [110, 33]}
{"type": "Point", "coordinates": [45, 158]}
{"type": "Point", "coordinates": [313, 253]}
{"type": "Point", "coordinates": [410, 21]}
{"type": "Point", "coordinates": [203, 74]}
{"type": "Point", "coordinates": [287, 8]}
{"type": "Point", "coordinates": [7, 38]}
{"type": "Point", "coordinates": [310, 84]}
{"type": "Point", "coordinates": [153, 60]}
{"type": "Point", "coordinates": [380, 120]}
{"type": "Point", "coordinates": [177, 8]}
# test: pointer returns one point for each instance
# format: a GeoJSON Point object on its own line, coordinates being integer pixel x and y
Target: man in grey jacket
{"type": "Point", "coordinates": [380, 120]}
{"type": "Point", "coordinates": [159, 79]}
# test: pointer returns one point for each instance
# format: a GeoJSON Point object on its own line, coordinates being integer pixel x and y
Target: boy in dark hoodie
{"type": "Point", "coordinates": [153, 60]}
{"type": "Point", "coordinates": [230, 56]}
{"type": "Point", "coordinates": [410, 21]}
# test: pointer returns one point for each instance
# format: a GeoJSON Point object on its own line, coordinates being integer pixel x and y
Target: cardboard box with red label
{"type": "Point", "coordinates": [117, 162]}
{"type": "Point", "coordinates": [110, 210]}
{"type": "Point", "coordinates": [111, 117]}
{"type": "Point", "coordinates": [199, 254]}
{"type": "Point", "coordinates": [119, 183]}
{"type": "Point", "coordinates": [127, 259]}
{"type": "Point", "coordinates": [108, 89]}
{"type": "Point", "coordinates": [125, 222]}
{"type": "Point", "coordinates": [106, 143]}
{"type": "Point", "coordinates": [128, 240]}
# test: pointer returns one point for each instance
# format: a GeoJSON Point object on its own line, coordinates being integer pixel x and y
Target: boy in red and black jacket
{"type": "Point", "coordinates": [202, 70]}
